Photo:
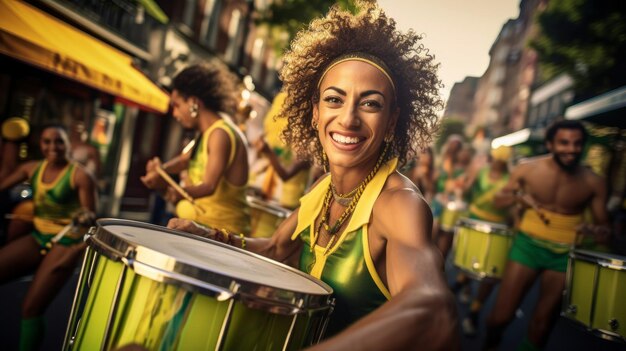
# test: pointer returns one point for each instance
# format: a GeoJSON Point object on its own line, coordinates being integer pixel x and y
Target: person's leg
{"type": "Point", "coordinates": [22, 224]}
{"type": "Point", "coordinates": [470, 323]}
{"type": "Point", "coordinates": [547, 309]}
{"type": "Point", "coordinates": [54, 270]}
{"type": "Point", "coordinates": [19, 257]}
{"type": "Point", "coordinates": [516, 281]}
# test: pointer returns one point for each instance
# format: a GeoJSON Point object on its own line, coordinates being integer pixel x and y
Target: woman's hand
{"type": "Point", "coordinates": [152, 179]}
{"type": "Point", "coordinates": [191, 227]}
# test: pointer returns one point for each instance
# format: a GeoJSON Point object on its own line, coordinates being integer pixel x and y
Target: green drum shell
{"type": "Point", "coordinates": [187, 308]}
{"type": "Point", "coordinates": [450, 214]}
{"type": "Point", "coordinates": [596, 293]}
{"type": "Point", "coordinates": [481, 248]}
{"type": "Point", "coordinates": [265, 217]}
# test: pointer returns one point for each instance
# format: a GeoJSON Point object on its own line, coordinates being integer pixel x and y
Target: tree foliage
{"type": "Point", "coordinates": [286, 17]}
{"type": "Point", "coordinates": [585, 39]}
{"type": "Point", "coordinates": [449, 126]}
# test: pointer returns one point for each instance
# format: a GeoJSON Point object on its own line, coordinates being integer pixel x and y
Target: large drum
{"type": "Point", "coordinates": [167, 290]}
{"type": "Point", "coordinates": [596, 293]}
{"type": "Point", "coordinates": [451, 213]}
{"type": "Point", "coordinates": [481, 248]}
{"type": "Point", "coordinates": [265, 217]}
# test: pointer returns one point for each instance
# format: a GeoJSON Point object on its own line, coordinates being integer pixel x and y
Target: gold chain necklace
{"type": "Point", "coordinates": [346, 213]}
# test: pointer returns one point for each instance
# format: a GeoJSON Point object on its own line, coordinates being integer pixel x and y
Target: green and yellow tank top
{"type": "Point", "coordinates": [55, 202]}
{"type": "Point", "coordinates": [483, 193]}
{"type": "Point", "coordinates": [227, 206]}
{"type": "Point", "coordinates": [348, 267]}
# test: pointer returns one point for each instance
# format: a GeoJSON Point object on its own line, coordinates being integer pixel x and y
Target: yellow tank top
{"type": "Point", "coordinates": [227, 207]}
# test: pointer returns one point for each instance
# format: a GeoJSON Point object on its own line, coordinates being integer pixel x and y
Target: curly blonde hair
{"type": "Point", "coordinates": [368, 31]}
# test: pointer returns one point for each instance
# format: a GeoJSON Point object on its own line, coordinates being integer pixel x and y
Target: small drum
{"type": "Point", "coordinates": [167, 290]}
{"type": "Point", "coordinates": [452, 211]}
{"type": "Point", "coordinates": [265, 217]}
{"type": "Point", "coordinates": [481, 248]}
{"type": "Point", "coordinates": [596, 293]}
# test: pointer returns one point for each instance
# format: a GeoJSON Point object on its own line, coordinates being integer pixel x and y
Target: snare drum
{"type": "Point", "coordinates": [452, 211]}
{"type": "Point", "coordinates": [167, 290]}
{"type": "Point", "coordinates": [596, 293]}
{"type": "Point", "coordinates": [265, 217]}
{"type": "Point", "coordinates": [481, 248]}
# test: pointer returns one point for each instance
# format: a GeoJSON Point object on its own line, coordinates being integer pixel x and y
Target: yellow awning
{"type": "Point", "coordinates": [32, 36]}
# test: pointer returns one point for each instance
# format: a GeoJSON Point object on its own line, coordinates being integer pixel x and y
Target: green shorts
{"type": "Point", "coordinates": [44, 240]}
{"type": "Point", "coordinates": [539, 254]}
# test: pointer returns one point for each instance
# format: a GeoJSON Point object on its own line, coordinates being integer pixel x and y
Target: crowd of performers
{"type": "Point", "coordinates": [366, 197]}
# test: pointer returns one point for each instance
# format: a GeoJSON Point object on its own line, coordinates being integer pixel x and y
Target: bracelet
{"type": "Point", "coordinates": [243, 241]}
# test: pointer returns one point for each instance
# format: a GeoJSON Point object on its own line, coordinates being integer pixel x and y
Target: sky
{"type": "Point", "coordinates": [458, 32]}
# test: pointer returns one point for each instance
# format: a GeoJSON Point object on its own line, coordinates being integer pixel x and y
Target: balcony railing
{"type": "Point", "coordinates": [126, 18]}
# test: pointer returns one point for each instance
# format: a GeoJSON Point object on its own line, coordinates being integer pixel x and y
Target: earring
{"type": "Point", "coordinates": [324, 161]}
{"type": "Point", "coordinates": [388, 138]}
{"type": "Point", "coordinates": [193, 110]}
{"type": "Point", "coordinates": [314, 124]}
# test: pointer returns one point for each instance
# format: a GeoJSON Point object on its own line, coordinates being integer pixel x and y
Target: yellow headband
{"type": "Point", "coordinates": [363, 57]}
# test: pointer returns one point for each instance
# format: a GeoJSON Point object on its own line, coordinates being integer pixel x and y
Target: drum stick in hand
{"type": "Point", "coordinates": [529, 201]}
{"type": "Point", "coordinates": [177, 187]}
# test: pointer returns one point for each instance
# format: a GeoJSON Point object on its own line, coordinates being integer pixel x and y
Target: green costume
{"type": "Point", "coordinates": [348, 266]}
{"type": "Point", "coordinates": [55, 203]}
{"type": "Point", "coordinates": [482, 195]}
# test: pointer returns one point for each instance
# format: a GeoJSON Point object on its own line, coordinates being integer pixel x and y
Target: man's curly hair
{"type": "Point", "coordinates": [368, 31]}
{"type": "Point", "coordinates": [212, 83]}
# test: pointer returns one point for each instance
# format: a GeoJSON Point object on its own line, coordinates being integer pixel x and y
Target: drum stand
{"type": "Point", "coordinates": [86, 272]}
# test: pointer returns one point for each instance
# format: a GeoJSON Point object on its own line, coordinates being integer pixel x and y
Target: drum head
{"type": "Point", "coordinates": [484, 226]}
{"type": "Point", "coordinates": [201, 259]}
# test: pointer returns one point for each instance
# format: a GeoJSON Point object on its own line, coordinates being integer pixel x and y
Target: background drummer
{"type": "Point", "coordinates": [555, 189]}
{"type": "Point", "coordinates": [61, 189]}
{"type": "Point", "coordinates": [483, 185]}
{"type": "Point", "coordinates": [218, 163]}
{"type": "Point", "coordinates": [361, 109]}
{"type": "Point", "coordinates": [451, 189]}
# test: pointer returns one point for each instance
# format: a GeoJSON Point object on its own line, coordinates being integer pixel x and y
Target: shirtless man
{"type": "Point", "coordinates": [555, 189]}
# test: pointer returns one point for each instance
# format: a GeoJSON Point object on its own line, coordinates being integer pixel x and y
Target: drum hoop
{"type": "Point", "coordinates": [270, 208]}
{"type": "Point", "coordinates": [604, 334]}
{"type": "Point", "coordinates": [277, 300]}
{"type": "Point", "coordinates": [599, 259]}
{"type": "Point", "coordinates": [494, 228]}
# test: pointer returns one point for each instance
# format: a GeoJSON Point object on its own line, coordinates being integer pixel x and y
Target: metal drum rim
{"type": "Point", "coordinates": [494, 228]}
{"type": "Point", "coordinates": [276, 210]}
{"type": "Point", "coordinates": [613, 261]}
{"type": "Point", "coordinates": [118, 249]}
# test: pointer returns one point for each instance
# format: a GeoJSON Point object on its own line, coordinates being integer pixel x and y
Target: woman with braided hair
{"type": "Point", "coordinates": [361, 99]}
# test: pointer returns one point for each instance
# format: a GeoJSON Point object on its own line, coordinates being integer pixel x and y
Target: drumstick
{"type": "Point", "coordinates": [19, 216]}
{"type": "Point", "coordinates": [177, 187]}
{"type": "Point", "coordinates": [526, 199]}
{"type": "Point", "coordinates": [62, 233]}
{"type": "Point", "coordinates": [28, 218]}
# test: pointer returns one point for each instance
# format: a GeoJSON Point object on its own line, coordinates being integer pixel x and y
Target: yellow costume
{"type": "Point", "coordinates": [289, 192]}
{"type": "Point", "coordinates": [227, 207]}
{"type": "Point", "coordinates": [560, 229]}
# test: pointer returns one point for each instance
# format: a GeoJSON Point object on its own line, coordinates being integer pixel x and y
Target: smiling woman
{"type": "Point", "coordinates": [64, 199]}
{"type": "Point", "coordinates": [361, 99]}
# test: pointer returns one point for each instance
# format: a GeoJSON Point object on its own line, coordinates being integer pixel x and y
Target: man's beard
{"type": "Point", "coordinates": [571, 167]}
